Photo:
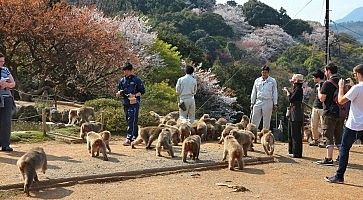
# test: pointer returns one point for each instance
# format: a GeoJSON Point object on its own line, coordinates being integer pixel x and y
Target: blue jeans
{"type": "Point", "coordinates": [5, 121]}
{"type": "Point", "coordinates": [349, 137]}
{"type": "Point", "coordinates": [132, 117]}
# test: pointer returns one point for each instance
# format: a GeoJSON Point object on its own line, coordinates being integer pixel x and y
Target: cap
{"type": "Point", "coordinates": [127, 66]}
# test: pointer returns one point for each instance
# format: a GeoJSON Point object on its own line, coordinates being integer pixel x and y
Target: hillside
{"type": "Point", "coordinates": [355, 16]}
{"type": "Point", "coordinates": [354, 29]}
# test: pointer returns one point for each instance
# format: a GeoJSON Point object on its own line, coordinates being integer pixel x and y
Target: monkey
{"type": "Point", "coordinates": [251, 127]}
{"type": "Point", "coordinates": [31, 161]}
{"type": "Point", "coordinates": [200, 128]}
{"type": "Point", "coordinates": [106, 137]}
{"type": "Point", "coordinates": [164, 141]}
{"type": "Point", "coordinates": [95, 144]}
{"type": "Point", "coordinates": [204, 116]}
{"type": "Point", "coordinates": [191, 145]}
{"type": "Point", "coordinates": [244, 121]}
{"type": "Point", "coordinates": [72, 116]}
{"type": "Point", "coordinates": [268, 141]}
{"type": "Point", "coordinates": [307, 133]}
{"type": "Point", "coordinates": [226, 132]}
{"type": "Point", "coordinates": [175, 133]}
{"type": "Point", "coordinates": [222, 121]}
{"type": "Point", "coordinates": [171, 122]}
{"type": "Point", "coordinates": [163, 119]}
{"type": "Point", "coordinates": [244, 139]}
{"type": "Point", "coordinates": [84, 113]}
{"type": "Point", "coordinates": [90, 126]}
{"type": "Point", "coordinates": [234, 151]}
{"type": "Point", "coordinates": [185, 129]}
{"type": "Point", "coordinates": [148, 135]}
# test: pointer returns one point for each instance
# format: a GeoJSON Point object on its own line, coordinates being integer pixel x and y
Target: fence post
{"type": "Point", "coordinates": [44, 125]}
{"type": "Point", "coordinates": [102, 120]}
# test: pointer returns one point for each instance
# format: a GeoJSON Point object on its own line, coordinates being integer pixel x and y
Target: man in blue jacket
{"type": "Point", "coordinates": [130, 87]}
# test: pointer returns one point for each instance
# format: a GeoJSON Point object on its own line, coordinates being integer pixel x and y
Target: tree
{"type": "Point", "coordinates": [259, 14]}
{"type": "Point", "coordinates": [296, 27]}
{"type": "Point", "coordinates": [68, 46]}
{"type": "Point", "coordinates": [214, 25]}
{"type": "Point", "coordinates": [202, 4]}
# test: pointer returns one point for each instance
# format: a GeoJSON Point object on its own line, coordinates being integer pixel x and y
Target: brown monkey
{"type": "Point", "coordinates": [191, 145]}
{"type": "Point", "coordinates": [95, 144]}
{"type": "Point", "coordinates": [222, 121]}
{"type": "Point", "coordinates": [32, 160]}
{"type": "Point", "coordinates": [185, 129]}
{"type": "Point", "coordinates": [251, 127]}
{"type": "Point", "coordinates": [164, 141]}
{"type": "Point", "coordinates": [72, 116]}
{"type": "Point", "coordinates": [226, 132]}
{"type": "Point", "coordinates": [171, 122]}
{"type": "Point", "coordinates": [268, 141]}
{"type": "Point", "coordinates": [234, 151]}
{"type": "Point", "coordinates": [175, 133]}
{"type": "Point", "coordinates": [307, 133]}
{"type": "Point", "coordinates": [244, 121]}
{"type": "Point", "coordinates": [172, 115]}
{"type": "Point", "coordinates": [84, 113]}
{"type": "Point", "coordinates": [244, 138]}
{"type": "Point", "coordinates": [147, 135]}
{"type": "Point", "coordinates": [90, 126]}
{"type": "Point", "coordinates": [106, 137]}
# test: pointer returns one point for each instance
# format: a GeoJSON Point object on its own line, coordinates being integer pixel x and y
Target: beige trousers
{"type": "Point", "coordinates": [316, 122]}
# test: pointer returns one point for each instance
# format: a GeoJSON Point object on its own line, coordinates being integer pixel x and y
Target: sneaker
{"type": "Point", "coordinates": [7, 149]}
{"type": "Point", "coordinates": [322, 145]}
{"type": "Point", "coordinates": [314, 143]}
{"type": "Point", "coordinates": [127, 142]}
{"type": "Point", "coordinates": [325, 161]}
{"type": "Point", "coordinates": [334, 179]}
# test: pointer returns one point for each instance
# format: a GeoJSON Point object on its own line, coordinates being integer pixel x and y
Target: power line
{"type": "Point", "coordinates": [347, 28]}
{"type": "Point", "coordinates": [297, 13]}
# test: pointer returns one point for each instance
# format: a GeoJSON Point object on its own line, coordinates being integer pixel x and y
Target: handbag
{"type": "Point", "coordinates": [182, 106]}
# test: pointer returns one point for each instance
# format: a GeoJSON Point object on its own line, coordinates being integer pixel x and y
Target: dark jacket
{"type": "Point", "coordinates": [130, 85]}
{"type": "Point", "coordinates": [296, 107]}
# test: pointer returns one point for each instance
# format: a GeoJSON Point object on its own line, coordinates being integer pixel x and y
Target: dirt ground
{"type": "Point", "coordinates": [287, 178]}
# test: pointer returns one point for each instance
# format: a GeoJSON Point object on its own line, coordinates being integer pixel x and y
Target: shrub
{"type": "Point", "coordinates": [99, 104]}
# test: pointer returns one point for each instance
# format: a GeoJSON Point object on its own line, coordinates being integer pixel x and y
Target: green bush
{"type": "Point", "coordinates": [28, 136]}
{"type": "Point", "coordinates": [113, 119]}
{"type": "Point", "coordinates": [99, 104]}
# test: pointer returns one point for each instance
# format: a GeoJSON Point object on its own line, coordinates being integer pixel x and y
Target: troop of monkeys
{"type": "Point", "coordinates": [237, 139]}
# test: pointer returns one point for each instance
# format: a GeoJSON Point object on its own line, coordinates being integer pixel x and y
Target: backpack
{"type": "Point", "coordinates": [342, 109]}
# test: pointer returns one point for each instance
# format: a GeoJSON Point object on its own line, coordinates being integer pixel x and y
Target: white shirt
{"type": "Point", "coordinates": [264, 90]}
{"type": "Point", "coordinates": [186, 87]}
{"type": "Point", "coordinates": [355, 118]}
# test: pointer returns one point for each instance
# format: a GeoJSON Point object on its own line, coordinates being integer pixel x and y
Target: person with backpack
{"type": "Point", "coordinates": [353, 129]}
{"type": "Point", "coordinates": [332, 117]}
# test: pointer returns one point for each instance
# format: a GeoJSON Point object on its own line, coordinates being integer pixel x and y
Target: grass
{"type": "Point", "coordinates": [29, 137]}
{"type": "Point", "coordinates": [70, 130]}
{"type": "Point", "coordinates": [5, 194]}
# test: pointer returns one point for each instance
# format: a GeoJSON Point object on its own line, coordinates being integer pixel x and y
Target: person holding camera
{"type": "Point", "coordinates": [130, 87]}
{"type": "Point", "coordinates": [333, 122]}
{"type": "Point", "coordinates": [186, 88]}
{"type": "Point", "coordinates": [295, 115]}
{"type": "Point", "coordinates": [353, 129]}
{"type": "Point", "coordinates": [6, 105]}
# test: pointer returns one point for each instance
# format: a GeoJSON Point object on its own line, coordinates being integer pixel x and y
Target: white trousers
{"type": "Point", "coordinates": [262, 109]}
{"type": "Point", "coordinates": [189, 113]}
{"type": "Point", "coordinates": [316, 122]}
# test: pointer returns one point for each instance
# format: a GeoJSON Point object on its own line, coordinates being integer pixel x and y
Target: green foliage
{"type": "Point", "coordinates": [28, 136]}
{"type": "Point", "coordinates": [214, 24]}
{"type": "Point", "coordinates": [160, 97]}
{"type": "Point", "coordinates": [113, 119]}
{"type": "Point", "coordinates": [68, 130]}
{"type": "Point", "coordinates": [98, 104]}
{"type": "Point", "coordinates": [259, 14]}
{"type": "Point", "coordinates": [171, 57]}
{"type": "Point", "coordinates": [197, 34]}
{"type": "Point", "coordinates": [25, 126]}
{"type": "Point", "coordinates": [296, 27]}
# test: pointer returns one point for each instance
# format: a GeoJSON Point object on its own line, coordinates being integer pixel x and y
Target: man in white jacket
{"type": "Point", "coordinates": [186, 88]}
{"type": "Point", "coordinates": [263, 98]}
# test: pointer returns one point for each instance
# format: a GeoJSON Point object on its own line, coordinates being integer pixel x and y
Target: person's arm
{"type": "Point", "coordinates": [9, 83]}
{"type": "Point", "coordinates": [296, 95]}
{"type": "Point", "coordinates": [274, 92]}
{"type": "Point", "coordinates": [342, 99]}
{"type": "Point", "coordinates": [140, 88]}
{"type": "Point", "coordinates": [254, 93]}
{"type": "Point", "coordinates": [195, 88]}
{"type": "Point", "coordinates": [322, 92]}
{"type": "Point", "coordinates": [178, 87]}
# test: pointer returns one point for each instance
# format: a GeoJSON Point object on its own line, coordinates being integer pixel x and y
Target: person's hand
{"type": "Point", "coordinates": [3, 84]}
{"type": "Point", "coordinates": [286, 90]}
{"type": "Point", "coordinates": [138, 94]}
{"type": "Point", "coordinates": [275, 107]}
{"type": "Point", "coordinates": [119, 93]}
{"type": "Point", "coordinates": [341, 83]}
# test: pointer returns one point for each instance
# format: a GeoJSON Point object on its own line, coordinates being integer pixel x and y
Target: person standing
{"type": "Point", "coordinates": [296, 116]}
{"type": "Point", "coordinates": [333, 123]}
{"type": "Point", "coordinates": [317, 111]}
{"type": "Point", "coordinates": [353, 129]}
{"type": "Point", "coordinates": [6, 105]}
{"type": "Point", "coordinates": [263, 98]}
{"type": "Point", "coordinates": [186, 88]}
{"type": "Point", "coordinates": [130, 87]}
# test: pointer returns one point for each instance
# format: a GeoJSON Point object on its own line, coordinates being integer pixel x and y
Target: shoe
{"type": "Point", "coordinates": [334, 179]}
{"type": "Point", "coordinates": [322, 145]}
{"type": "Point", "coordinates": [314, 143]}
{"type": "Point", "coordinates": [7, 149]}
{"type": "Point", "coordinates": [325, 161]}
{"type": "Point", "coordinates": [338, 158]}
{"type": "Point", "coordinates": [127, 142]}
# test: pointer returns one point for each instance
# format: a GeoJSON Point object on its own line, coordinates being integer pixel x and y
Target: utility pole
{"type": "Point", "coordinates": [327, 52]}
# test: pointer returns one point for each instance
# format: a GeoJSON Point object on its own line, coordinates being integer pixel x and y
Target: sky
{"type": "Point", "coordinates": [314, 11]}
